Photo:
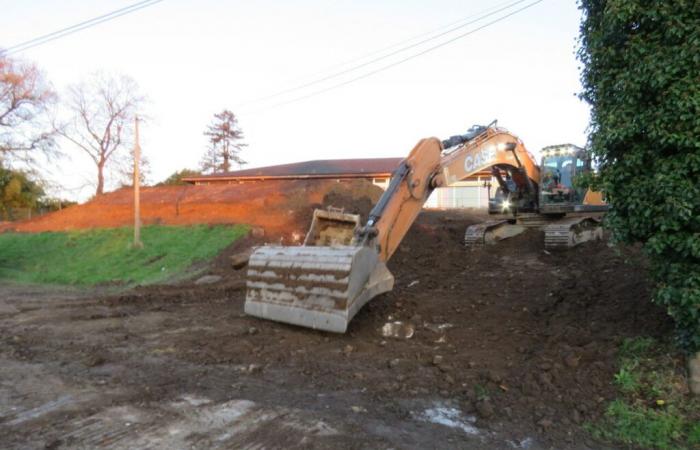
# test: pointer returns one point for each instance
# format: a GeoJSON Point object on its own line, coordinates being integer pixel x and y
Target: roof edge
{"type": "Point", "coordinates": [286, 177]}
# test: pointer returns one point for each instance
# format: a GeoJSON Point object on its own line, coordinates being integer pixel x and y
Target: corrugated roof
{"type": "Point", "coordinates": [317, 168]}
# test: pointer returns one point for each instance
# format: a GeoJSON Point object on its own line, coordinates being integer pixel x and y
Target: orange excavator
{"type": "Point", "coordinates": [342, 264]}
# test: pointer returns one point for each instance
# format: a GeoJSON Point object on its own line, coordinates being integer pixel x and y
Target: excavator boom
{"type": "Point", "coordinates": [323, 283]}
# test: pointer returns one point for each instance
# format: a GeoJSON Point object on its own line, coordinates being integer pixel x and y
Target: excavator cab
{"type": "Point", "coordinates": [560, 165]}
{"type": "Point", "coordinates": [559, 196]}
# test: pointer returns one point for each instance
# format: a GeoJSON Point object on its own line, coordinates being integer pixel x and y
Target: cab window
{"type": "Point", "coordinates": [558, 170]}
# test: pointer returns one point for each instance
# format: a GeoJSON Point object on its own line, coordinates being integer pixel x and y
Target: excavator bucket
{"type": "Point", "coordinates": [316, 286]}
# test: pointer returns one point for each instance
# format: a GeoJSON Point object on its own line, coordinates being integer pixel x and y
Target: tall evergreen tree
{"type": "Point", "coordinates": [225, 143]}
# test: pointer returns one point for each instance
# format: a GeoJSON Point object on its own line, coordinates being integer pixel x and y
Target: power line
{"type": "Point", "coordinates": [80, 26]}
{"type": "Point", "coordinates": [384, 49]}
{"type": "Point", "coordinates": [388, 55]}
{"type": "Point", "coordinates": [401, 61]}
{"type": "Point", "coordinates": [418, 36]}
{"type": "Point", "coordinates": [39, 40]}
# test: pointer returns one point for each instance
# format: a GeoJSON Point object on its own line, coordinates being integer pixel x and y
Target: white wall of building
{"type": "Point", "coordinates": [465, 194]}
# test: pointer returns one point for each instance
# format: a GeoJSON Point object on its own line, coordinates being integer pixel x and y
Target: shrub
{"type": "Point", "coordinates": [640, 76]}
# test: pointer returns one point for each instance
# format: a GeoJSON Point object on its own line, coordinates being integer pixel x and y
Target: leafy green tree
{"type": "Point", "coordinates": [641, 77]}
{"type": "Point", "coordinates": [176, 178]}
{"type": "Point", "coordinates": [17, 190]}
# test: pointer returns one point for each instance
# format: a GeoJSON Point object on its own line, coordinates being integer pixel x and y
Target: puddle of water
{"type": "Point", "coordinates": [450, 417]}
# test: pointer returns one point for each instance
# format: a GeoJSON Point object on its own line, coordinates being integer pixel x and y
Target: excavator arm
{"type": "Point", "coordinates": [428, 166]}
{"type": "Point", "coordinates": [322, 286]}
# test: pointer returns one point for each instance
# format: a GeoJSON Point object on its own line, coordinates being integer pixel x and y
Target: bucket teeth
{"type": "Point", "coordinates": [316, 287]}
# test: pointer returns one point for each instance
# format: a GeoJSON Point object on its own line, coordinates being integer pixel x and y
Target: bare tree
{"type": "Point", "coordinates": [224, 143]}
{"type": "Point", "coordinates": [24, 98]}
{"type": "Point", "coordinates": [123, 170]}
{"type": "Point", "coordinates": [102, 113]}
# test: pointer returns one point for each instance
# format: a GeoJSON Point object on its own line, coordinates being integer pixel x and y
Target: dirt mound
{"type": "Point", "coordinates": [530, 333]}
{"type": "Point", "coordinates": [359, 201]}
{"type": "Point", "coordinates": [356, 197]}
{"type": "Point", "coordinates": [522, 338]}
{"type": "Point", "coordinates": [281, 207]}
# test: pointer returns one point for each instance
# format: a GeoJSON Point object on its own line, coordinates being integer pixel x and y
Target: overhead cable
{"type": "Point", "coordinates": [40, 40]}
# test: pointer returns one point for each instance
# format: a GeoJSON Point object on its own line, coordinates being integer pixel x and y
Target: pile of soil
{"type": "Point", "coordinates": [279, 207]}
{"type": "Point", "coordinates": [530, 336]}
{"type": "Point", "coordinates": [523, 338]}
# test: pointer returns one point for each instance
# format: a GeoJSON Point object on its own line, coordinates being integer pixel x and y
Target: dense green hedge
{"type": "Point", "coordinates": [641, 76]}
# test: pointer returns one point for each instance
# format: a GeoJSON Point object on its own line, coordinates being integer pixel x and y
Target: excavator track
{"type": "Point", "coordinates": [490, 232]}
{"type": "Point", "coordinates": [535, 220]}
{"type": "Point", "coordinates": [558, 233]}
{"type": "Point", "coordinates": [571, 232]}
{"type": "Point", "coordinates": [474, 236]}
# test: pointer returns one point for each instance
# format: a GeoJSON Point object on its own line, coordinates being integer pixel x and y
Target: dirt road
{"type": "Point", "coordinates": [513, 347]}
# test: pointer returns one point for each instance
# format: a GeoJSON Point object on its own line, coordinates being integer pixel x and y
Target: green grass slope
{"type": "Point", "coordinates": [654, 409]}
{"type": "Point", "coordinates": [106, 255]}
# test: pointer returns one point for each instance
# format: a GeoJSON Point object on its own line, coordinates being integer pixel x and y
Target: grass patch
{"type": "Point", "coordinates": [654, 409]}
{"type": "Point", "coordinates": [481, 392]}
{"type": "Point", "coordinates": [106, 256]}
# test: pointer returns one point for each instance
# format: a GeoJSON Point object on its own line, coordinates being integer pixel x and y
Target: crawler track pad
{"type": "Point", "coordinates": [315, 287]}
{"type": "Point", "coordinates": [490, 232]}
{"type": "Point", "coordinates": [572, 232]}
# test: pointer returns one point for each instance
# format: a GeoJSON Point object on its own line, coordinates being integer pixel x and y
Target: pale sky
{"type": "Point", "coordinates": [192, 59]}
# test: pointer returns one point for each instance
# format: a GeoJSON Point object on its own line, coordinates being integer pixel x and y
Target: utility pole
{"type": "Point", "coordinates": [137, 185]}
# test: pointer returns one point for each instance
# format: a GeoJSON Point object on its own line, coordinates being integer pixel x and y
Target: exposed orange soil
{"type": "Point", "coordinates": [280, 207]}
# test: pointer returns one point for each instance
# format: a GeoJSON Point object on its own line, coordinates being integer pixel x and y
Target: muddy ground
{"type": "Point", "coordinates": [514, 347]}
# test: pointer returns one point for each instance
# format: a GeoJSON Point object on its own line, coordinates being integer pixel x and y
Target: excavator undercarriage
{"type": "Point", "coordinates": [560, 232]}
{"type": "Point", "coordinates": [568, 215]}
